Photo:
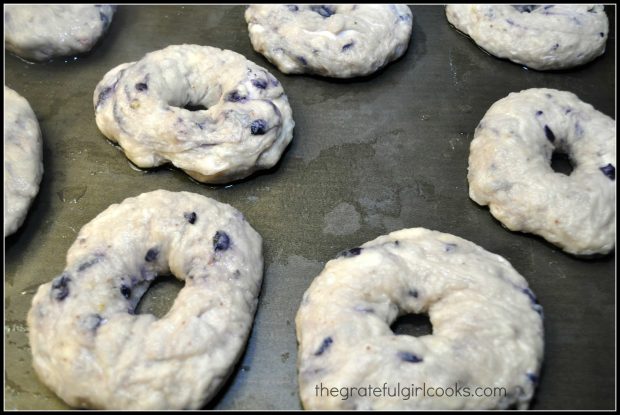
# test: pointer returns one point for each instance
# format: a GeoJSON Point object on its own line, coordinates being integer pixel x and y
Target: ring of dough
{"type": "Point", "coordinates": [542, 37]}
{"type": "Point", "coordinates": [90, 347]}
{"type": "Point", "coordinates": [245, 127]}
{"type": "Point", "coordinates": [510, 169]}
{"type": "Point", "coordinates": [341, 41]}
{"type": "Point", "coordinates": [487, 327]}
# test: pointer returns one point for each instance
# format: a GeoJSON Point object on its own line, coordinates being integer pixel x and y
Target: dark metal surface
{"type": "Point", "coordinates": [369, 156]}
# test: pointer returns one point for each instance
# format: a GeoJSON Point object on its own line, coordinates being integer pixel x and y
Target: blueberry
{"type": "Point", "coordinates": [409, 357]}
{"type": "Point", "coordinates": [350, 253]}
{"type": "Point", "coordinates": [235, 97]}
{"type": "Point", "coordinates": [191, 217]}
{"type": "Point", "coordinates": [151, 255]}
{"type": "Point", "coordinates": [539, 113]}
{"type": "Point", "coordinates": [327, 341]}
{"type": "Point", "coordinates": [323, 10]}
{"type": "Point", "coordinates": [556, 46]}
{"type": "Point", "coordinates": [292, 7]}
{"type": "Point", "coordinates": [549, 134]}
{"type": "Point", "coordinates": [532, 377]}
{"type": "Point", "coordinates": [414, 293]}
{"type": "Point", "coordinates": [347, 46]}
{"type": "Point", "coordinates": [601, 34]}
{"type": "Point", "coordinates": [60, 287]}
{"type": "Point", "coordinates": [258, 127]}
{"type": "Point", "coordinates": [126, 291]}
{"type": "Point", "coordinates": [404, 17]}
{"type": "Point", "coordinates": [609, 171]}
{"type": "Point", "coordinates": [221, 241]}
{"type": "Point", "coordinates": [259, 83]}
{"type": "Point", "coordinates": [141, 86]}
{"type": "Point", "coordinates": [302, 60]}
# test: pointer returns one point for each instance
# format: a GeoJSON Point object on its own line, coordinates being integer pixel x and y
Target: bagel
{"type": "Point", "coordinates": [90, 347]}
{"type": "Point", "coordinates": [245, 127]}
{"type": "Point", "coordinates": [42, 32]}
{"type": "Point", "coordinates": [487, 328]}
{"type": "Point", "coordinates": [340, 41]}
{"type": "Point", "coordinates": [542, 37]}
{"type": "Point", "coordinates": [510, 169]}
{"type": "Point", "coordinates": [23, 165]}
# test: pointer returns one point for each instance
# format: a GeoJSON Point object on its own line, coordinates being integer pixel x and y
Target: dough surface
{"type": "Point", "coordinates": [543, 37]}
{"type": "Point", "coordinates": [90, 347]}
{"type": "Point", "coordinates": [41, 32]}
{"type": "Point", "coordinates": [487, 327]}
{"type": "Point", "coordinates": [23, 164]}
{"type": "Point", "coordinates": [341, 41]}
{"type": "Point", "coordinates": [510, 169]}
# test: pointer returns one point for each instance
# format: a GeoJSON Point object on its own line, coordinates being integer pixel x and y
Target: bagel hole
{"type": "Point", "coordinates": [561, 163]}
{"type": "Point", "coordinates": [194, 107]}
{"type": "Point", "coordinates": [160, 296]}
{"type": "Point", "coordinates": [416, 325]}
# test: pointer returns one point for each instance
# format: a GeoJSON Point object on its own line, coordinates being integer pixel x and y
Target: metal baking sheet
{"type": "Point", "coordinates": [369, 156]}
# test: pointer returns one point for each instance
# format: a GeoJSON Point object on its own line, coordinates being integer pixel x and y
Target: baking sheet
{"type": "Point", "coordinates": [369, 156]}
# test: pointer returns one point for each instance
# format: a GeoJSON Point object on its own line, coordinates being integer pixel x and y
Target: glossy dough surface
{"type": "Point", "coordinates": [23, 165]}
{"type": "Point", "coordinates": [487, 326]}
{"type": "Point", "coordinates": [543, 37]}
{"type": "Point", "coordinates": [91, 348]}
{"type": "Point", "coordinates": [245, 127]}
{"type": "Point", "coordinates": [342, 41]}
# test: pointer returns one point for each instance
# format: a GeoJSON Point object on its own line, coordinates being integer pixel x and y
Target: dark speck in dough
{"type": "Point", "coordinates": [221, 241]}
{"type": "Point", "coordinates": [258, 127]}
{"type": "Point", "coordinates": [259, 83]}
{"type": "Point", "coordinates": [609, 171]}
{"type": "Point", "coordinates": [409, 357]}
{"type": "Point", "coordinates": [323, 10]}
{"type": "Point", "coordinates": [347, 46]}
{"type": "Point", "coordinates": [350, 253]}
{"type": "Point", "coordinates": [60, 287]}
{"type": "Point", "coordinates": [324, 346]}
{"type": "Point", "coordinates": [151, 255]}
{"type": "Point", "coordinates": [190, 216]}
{"type": "Point", "coordinates": [549, 134]}
{"type": "Point", "coordinates": [126, 291]}
{"type": "Point", "coordinates": [235, 97]}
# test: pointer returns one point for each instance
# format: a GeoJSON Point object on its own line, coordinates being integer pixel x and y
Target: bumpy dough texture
{"type": "Point", "coordinates": [91, 349]}
{"type": "Point", "coordinates": [510, 169]}
{"type": "Point", "coordinates": [540, 37]}
{"type": "Point", "coordinates": [487, 325]}
{"type": "Point", "coordinates": [341, 41]}
{"type": "Point", "coordinates": [23, 165]}
{"type": "Point", "coordinates": [246, 126]}
{"type": "Point", "coordinates": [46, 31]}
